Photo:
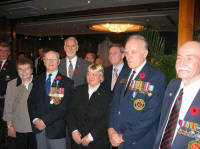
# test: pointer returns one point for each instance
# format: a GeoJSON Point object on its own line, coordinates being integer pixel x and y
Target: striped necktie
{"type": "Point", "coordinates": [70, 69]}
{"type": "Point", "coordinates": [172, 123]}
{"type": "Point", "coordinates": [114, 78]}
{"type": "Point", "coordinates": [129, 82]}
{"type": "Point", "coordinates": [48, 84]}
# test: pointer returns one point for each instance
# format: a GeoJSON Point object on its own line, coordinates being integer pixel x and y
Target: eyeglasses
{"type": "Point", "coordinates": [50, 58]}
{"type": "Point", "coordinates": [72, 46]}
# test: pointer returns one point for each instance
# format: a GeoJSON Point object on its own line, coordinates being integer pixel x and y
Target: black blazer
{"type": "Point", "coordinates": [7, 73]}
{"type": "Point", "coordinates": [108, 76]}
{"type": "Point", "coordinates": [90, 116]}
{"type": "Point", "coordinates": [53, 115]}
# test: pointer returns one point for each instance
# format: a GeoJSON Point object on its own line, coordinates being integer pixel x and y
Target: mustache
{"type": "Point", "coordinates": [183, 68]}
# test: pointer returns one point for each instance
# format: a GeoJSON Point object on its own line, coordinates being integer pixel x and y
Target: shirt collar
{"type": "Point", "coordinates": [119, 68]}
{"type": "Point", "coordinates": [19, 81]}
{"type": "Point", "coordinates": [53, 74]}
{"type": "Point", "coordinates": [94, 89]}
{"type": "Point", "coordinates": [73, 60]}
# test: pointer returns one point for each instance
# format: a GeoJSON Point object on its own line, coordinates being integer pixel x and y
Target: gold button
{"type": "Point", "coordinates": [119, 112]}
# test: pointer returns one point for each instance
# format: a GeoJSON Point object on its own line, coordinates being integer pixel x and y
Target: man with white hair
{"type": "Point", "coordinates": [137, 99]}
{"type": "Point", "coordinates": [179, 126]}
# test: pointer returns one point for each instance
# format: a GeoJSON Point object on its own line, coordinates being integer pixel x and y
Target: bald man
{"type": "Point", "coordinates": [179, 125]}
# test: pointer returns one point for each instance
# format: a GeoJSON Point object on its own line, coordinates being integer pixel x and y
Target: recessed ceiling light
{"type": "Point", "coordinates": [45, 8]}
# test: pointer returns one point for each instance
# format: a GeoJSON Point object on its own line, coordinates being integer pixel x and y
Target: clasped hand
{"type": "Point", "coordinates": [39, 124]}
{"type": "Point", "coordinates": [76, 135]}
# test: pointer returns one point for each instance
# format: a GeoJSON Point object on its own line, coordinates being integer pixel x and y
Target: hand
{"type": "Point", "coordinates": [76, 136]}
{"type": "Point", "coordinates": [114, 137]}
{"type": "Point", "coordinates": [12, 132]}
{"type": "Point", "coordinates": [85, 141]}
{"type": "Point", "coordinates": [39, 124]}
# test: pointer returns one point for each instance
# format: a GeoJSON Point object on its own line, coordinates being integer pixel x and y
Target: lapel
{"type": "Point", "coordinates": [190, 115]}
{"type": "Point", "coordinates": [56, 80]}
{"type": "Point", "coordinates": [95, 94]}
{"type": "Point", "coordinates": [77, 69]}
{"type": "Point", "coordinates": [170, 97]}
{"type": "Point", "coordinates": [5, 66]}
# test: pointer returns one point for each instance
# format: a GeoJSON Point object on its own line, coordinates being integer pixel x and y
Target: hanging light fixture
{"type": "Point", "coordinates": [117, 27]}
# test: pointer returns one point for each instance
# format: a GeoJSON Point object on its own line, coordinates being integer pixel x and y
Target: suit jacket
{"type": "Point", "coordinates": [108, 76]}
{"type": "Point", "coordinates": [79, 75]}
{"type": "Point", "coordinates": [7, 73]}
{"type": "Point", "coordinates": [180, 141]}
{"type": "Point", "coordinates": [53, 115]}
{"type": "Point", "coordinates": [138, 126]}
{"type": "Point", "coordinates": [90, 115]}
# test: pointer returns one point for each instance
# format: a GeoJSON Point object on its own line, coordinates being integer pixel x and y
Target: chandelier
{"type": "Point", "coordinates": [117, 27]}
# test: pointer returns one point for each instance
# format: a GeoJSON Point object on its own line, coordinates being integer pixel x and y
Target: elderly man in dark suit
{"type": "Point", "coordinates": [137, 99]}
{"type": "Point", "coordinates": [112, 72]}
{"type": "Point", "coordinates": [73, 66]}
{"type": "Point", "coordinates": [179, 126]}
{"type": "Point", "coordinates": [7, 72]}
{"type": "Point", "coordinates": [47, 104]}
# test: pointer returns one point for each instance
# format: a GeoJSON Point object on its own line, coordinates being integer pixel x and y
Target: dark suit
{"type": "Point", "coordinates": [79, 75]}
{"type": "Point", "coordinates": [180, 141]}
{"type": "Point", "coordinates": [138, 127]}
{"type": "Point", "coordinates": [7, 73]}
{"type": "Point", "coordinates": [108, 76]}
{"type": "Point", "coordinates": [53, 115]}
{"type": "Point", "coordinates": [90, 116]}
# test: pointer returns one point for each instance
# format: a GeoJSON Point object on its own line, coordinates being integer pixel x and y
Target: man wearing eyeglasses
{"type": "Point", "coordinates": [72, 66]}
{"type": "Point", "coordinates": [7, 73]}
{"type": "Point", "coordinates": [47, 104]}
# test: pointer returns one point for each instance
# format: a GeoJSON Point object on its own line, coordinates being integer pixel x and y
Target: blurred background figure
{"type": "Point", "coordinates": [20, 55]}
{"type": "Point", "coordinates": [112, 72]}
{"type": "Point", "coordinates": [90, 57]}
{"type": "Point", "coordinates": [16, 109]}
{"type": "Point", "coordinates": [88, 116]}
{"type": "Point", "coordinates": [39, 63]}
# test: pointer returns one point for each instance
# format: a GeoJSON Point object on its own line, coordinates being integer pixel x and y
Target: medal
{"type": "Point", "coordinates": [194, 144]}
{"type": "Point", "coordinates": [138, 104]}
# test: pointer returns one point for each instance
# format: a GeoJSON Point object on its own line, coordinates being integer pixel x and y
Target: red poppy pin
{"type": "Point", "coordinates": [194, 111]}
{"type": "Point", "coordinates": [76, 71]}
{"type": "Point", "coordinates": [58, 77]}
{"type": "Point", "coordinates": [6, 63]}
{"type": "Point", "coordinates": [142, 76]}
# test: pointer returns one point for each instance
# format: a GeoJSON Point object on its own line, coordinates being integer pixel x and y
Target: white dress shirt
{"type": "Point", "coordinates": [73, 61]}
{"type": "Point", "coordinates": [3, 62]}
{"type": "Point", "coordinates": [189, 93]}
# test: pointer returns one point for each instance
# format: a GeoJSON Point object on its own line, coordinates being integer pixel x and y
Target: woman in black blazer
{"type": "Point", "coordinates": [88, 118]}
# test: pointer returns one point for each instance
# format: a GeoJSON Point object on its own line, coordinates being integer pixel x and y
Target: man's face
{"type": "Point", "coordinates": [70, 48]}
{"type": "Point", "coordinates": [4, 53]}
{"type": "Point", "coordinates": [51, 61]}
{"type": "Point", "coordinates": [24, 71]}
{"type": "Point", "coordinates": [188, 61]}
{"type": "Point", "coordinates": [89, 57]}
{"type": "Point", "coordinates": [135, 53]}
{"type": "Point", "coordinates": [115, 56]}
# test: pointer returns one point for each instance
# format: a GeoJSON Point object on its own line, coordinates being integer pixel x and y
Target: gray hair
{"type": "Point", "coordinates": [73, 38]}
{"type": "Point", "coordinates": [141, 38]}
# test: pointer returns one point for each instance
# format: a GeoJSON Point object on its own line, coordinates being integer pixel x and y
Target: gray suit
{"type": "Point", "coordinates": [79, 75]}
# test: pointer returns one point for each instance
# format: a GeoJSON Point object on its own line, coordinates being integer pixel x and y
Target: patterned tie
{"type": "Point", "coordinates": [172, 123]}
{"type": "Point", "coordinates": [129, 82]}
{"type": "Point", "coordinates": [70, 69]}
{"type": "Point", "coordinates": [48, 84]}
{"type": "Point", "coordinates": [114, 78]}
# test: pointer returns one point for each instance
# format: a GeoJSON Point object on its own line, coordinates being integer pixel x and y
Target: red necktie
{"type": "Point", "coordinates": [172, 123]}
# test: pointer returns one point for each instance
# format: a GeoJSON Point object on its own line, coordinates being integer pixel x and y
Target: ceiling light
{"type": "Point", "coordinates": [61, 37]}
{"type": "Point", "coordinates": [89, 1]}
{"type": "Point", "coordinates": [40, 38]}
{"type": "Point", "coordinates": [117, 27]}
{"type": "Point", "coordinates": [49, 38]}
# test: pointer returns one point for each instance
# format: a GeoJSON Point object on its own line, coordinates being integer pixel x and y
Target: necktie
{"type": "Point", "coordinates": [48, 84]}
{"type": "Point", "coordinates": [114, 78]}
{"type": "Point", "coordinates": [129, 82]}
{"type": "Point", "coordinates": [172, 123]}
{"type": "Point", "coordinates": [70, 69]}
